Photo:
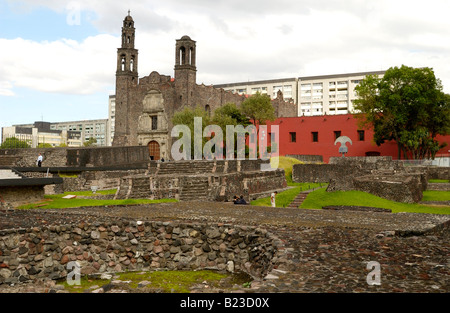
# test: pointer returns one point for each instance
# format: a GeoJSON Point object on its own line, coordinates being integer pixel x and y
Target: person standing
{"type": "Point", "coordinates": [272, 198]}
{"type": "Point", "coordinates": [39, 160]}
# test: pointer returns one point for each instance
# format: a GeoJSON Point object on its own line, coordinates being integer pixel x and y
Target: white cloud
{"type": "Point", "coordinates": [62, 66]}
{"type": "Point", "coordinates": [237, 41]}
{"type": "Point", "coordinates": [6, 89]}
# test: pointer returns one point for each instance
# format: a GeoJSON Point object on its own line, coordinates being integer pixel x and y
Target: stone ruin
{"type": "Point", "coordinates": [205, 180]}
{"type": "Point", "coordinates": [126, 245]}
{"type": "Point", "coordinates": [380, 176]}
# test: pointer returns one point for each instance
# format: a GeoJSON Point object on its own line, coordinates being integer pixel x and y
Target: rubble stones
{"type": "Point", "coordinates": [189, 246]}
{"type": "Point", "coordinates": [316, 250]}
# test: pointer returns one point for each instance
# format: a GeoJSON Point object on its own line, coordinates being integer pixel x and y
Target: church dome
{"type": "Point", "coordinates": [128, 17]}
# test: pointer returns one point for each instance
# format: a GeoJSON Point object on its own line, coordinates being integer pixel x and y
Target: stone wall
{"type": "Point", "coordinates": [320, 173]}
{"type": "Point", "coordinates": [103, 180]}
{"type": "Point", "coordinates": [84, 180]}
{"type": "Point", "coordinates": [18, 195]}
{"type": "Point", "coordinates": [202, 180]}
{"type": "Point", "coordinates": [306, 158]}
{"type": "Point", "coordinates": [27, 157]}
{"type": "Point", "coordinates": [28, 254]}
{"type": "Point", "coordinates": [432, 172]}
{"type": "Point", "coordinates": [399, 188]}
{"type": "Point", "coordinates": [341, 168]}
{"type": "Point", "coordinates": [439, 186]}
{"type": "Point", "coordinates": [380, 176]}
{"type": "Point", "coordinates": [75, 157]}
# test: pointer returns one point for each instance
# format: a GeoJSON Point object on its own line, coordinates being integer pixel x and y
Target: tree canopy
{"type": "Point", "coordinates": [406, 105]}
{"type": "Point", "coordinates": [91, 142]}
{"type": "Point", "coordinates": [258, 108]}
{"type": "Point", "coordinates": [14, 143]}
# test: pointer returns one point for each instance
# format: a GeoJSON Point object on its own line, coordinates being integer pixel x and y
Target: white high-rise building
{"type": "Point", "coordinates": [314, 95]}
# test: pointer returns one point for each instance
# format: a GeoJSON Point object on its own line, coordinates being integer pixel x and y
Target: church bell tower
{"type": "Point", "coordinates": [185, 69]}
{"type": "Point", "coordinates": [127, 55]}
{"type": "Point", "coordinates": [126, 80]}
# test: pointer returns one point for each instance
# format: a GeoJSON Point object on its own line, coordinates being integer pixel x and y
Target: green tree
{"type": "Point", "coordinates": [14, 143]}
{"type": "Point", "coordinates": [258, 108]}
{"type": "Point", "coordinates": [186, 117]}
{"type": "Point", "coordinates": [45, 145]}
{"type": "Point", "coordinates": [229, 114]}
{"type": "Point", "coordinates": [406, 105]}
{"type": "Point", "coordinates": [91, 142]}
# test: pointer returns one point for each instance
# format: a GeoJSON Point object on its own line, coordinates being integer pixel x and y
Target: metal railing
{"type": "Point", "coordinates": [441, 160]}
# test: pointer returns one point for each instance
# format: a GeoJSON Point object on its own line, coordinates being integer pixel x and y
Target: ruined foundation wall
{"type": "Point", "coordinates": [28, 254]}
{"type": "Point", "coordinates": [75, 157]}
{"type": "Point", "coordinates": [380, 176]}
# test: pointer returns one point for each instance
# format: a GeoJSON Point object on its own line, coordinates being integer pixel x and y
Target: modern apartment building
{"type": "Point", "coordinates": [42, 133]}
{"type": "Point", "coordinates": [314, 95]}
{"type": "Point", "coordinates": [269, 87]}
{"type": "Point", "coordinates": [78, 132]}
{"type": "Point", "coordinates": [98, 129]}
{"type": "Point", "coordinates": [111, 118]}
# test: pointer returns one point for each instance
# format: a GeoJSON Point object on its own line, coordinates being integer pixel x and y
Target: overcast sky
{"type": "Point", "coordinates": [58, 58]}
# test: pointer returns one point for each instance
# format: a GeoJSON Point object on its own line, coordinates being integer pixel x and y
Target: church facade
{"type": "Point", "coordinates": [145, 106]}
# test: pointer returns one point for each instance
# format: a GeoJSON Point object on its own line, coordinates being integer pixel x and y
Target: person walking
{"type": "Point", "coordinates": [39, 160]}
{"type": "Point", "coordinates": [272, 198]}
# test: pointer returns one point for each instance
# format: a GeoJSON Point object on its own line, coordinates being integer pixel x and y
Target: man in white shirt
{"type": "Point", "coordinates": [39, 160]}
{"type": "Point", "coordinates": [272, 198]}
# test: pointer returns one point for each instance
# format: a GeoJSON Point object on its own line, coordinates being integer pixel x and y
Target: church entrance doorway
{"type": "Point", "coordinates": [154, 151]}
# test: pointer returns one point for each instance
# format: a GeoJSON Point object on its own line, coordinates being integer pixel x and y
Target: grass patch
{"type": "Point", "coordinates": [286, 163]}
{"type": "Point", "coordinates": [57, 201]}
{"type": "Point", "coordinates": [319, 198]}
{"type": "Point", "coordinates": [89, 193]}
{"type": "Point", "coordinates": [172, 281]}
{"type": "Point", "coordinates": [435, 195]}
{"type": "Point", "coordinates": [67, 175]}
{"type": "Point", "coordinates": [85, 284]}
{"type": "Point", "coordinates": [165, 281]}
{"type": "Point", "coordinates": [283, 199]}
{"type": "Point", "coordinates": [439, 181]}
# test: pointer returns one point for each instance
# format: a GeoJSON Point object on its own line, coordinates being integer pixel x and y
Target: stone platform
{"type": "Point", "coordinates": [324, 250]}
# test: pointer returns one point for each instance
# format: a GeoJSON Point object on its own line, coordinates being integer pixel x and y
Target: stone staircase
{"type": "Point", "coordinates": [140, 188]}
{"type": "Point", "coordinates": [8, 174]}
{"type": "Point", "coordinates": [298, 200]}
{"type": "Point", "coordinates": [194, 189]}
{"type": "Point", "coordinates": [185, 168]}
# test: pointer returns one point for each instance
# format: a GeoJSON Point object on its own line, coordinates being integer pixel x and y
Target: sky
{"type": "Point", "coordinates": [58, 57]}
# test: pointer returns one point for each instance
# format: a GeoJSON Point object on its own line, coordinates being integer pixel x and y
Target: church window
{"type": "Point", "coordinates": [154, 122]}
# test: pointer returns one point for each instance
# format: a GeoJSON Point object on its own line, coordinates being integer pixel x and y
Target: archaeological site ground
{"type": "Point", "coordinates": [190, 224]}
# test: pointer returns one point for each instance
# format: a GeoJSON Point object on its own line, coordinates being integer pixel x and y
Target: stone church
{"type": "Point", "coordinates": [145, 106]}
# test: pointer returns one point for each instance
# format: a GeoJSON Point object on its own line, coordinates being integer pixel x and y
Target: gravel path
{"type": "Point", "coordinates": [325, 251]}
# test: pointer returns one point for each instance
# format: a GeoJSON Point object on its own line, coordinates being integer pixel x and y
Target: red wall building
{"type": "Point", "coordinates": [315, 135]}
